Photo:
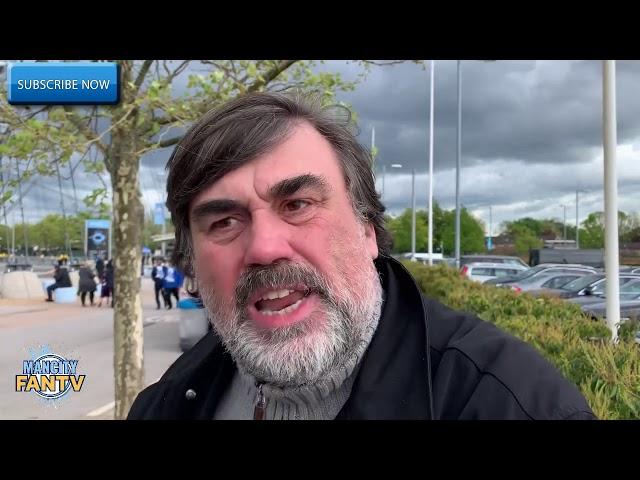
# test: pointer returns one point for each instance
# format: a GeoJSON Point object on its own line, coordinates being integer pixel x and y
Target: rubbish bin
{"type": "Point", "coordinates": [194, 322]}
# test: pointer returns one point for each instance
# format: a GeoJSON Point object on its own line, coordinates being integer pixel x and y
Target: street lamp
{"type": "Point", "coordinates": [458, 155]}
{"type": "Point", "coordinates": [564, 222]}
{"type": "Point", "coordinates": [413, 210]}
{"type": "Point", "coordinates": [610, 141]}
{"type": "Point", "coordinates": [577, 217]}
{"type": "Point", "coordinates": [3, 130]}
{"type": "Point", "coordinates": [384, 174]}
{"type": "Point", "coordinates": [431, 121]}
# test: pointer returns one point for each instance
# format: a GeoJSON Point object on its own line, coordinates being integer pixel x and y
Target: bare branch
{"type": "Point", "coordinates": [169, 141]}
{"type": "Point", "coordinates": [89, 134]}
{"type": "Point", "coordinates": [177, 71]}
{"type": "Point", "coordinates": [384, 63]}
{"type": "Point", "coordinates": [141, 75]}
{"type": "Point", "coordinates": [277, 69]}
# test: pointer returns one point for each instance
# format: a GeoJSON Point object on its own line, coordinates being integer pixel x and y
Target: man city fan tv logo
{"type": "Point", "coordinates": [49, 376]}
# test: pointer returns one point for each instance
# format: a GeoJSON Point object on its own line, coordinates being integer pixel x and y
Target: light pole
{"type": "Point", "coordinates": [564, 222]}
{"type": "Point", "coordinates": [373, 148]}
{"type": "Point", "coordinates": [577, 217]}
{"type": "Point", "coordinates": [610, 140]}
{"type": "Point", "coordinates": [491, 227]}
{"type": "Point", "coordinates": [431, 120]}
{"type": "Point", "coordinates": [458, 153]}
{"type": "Point", "coordinates": [24, 225]}
{"type": "Point", "coordinates": [413, 209]}
{"type": "Point", "coordinates": [413, 217]}
{"type": "Point", "coordinates": [384, 174]}
{"type": "Point", "coordinates": [3, 130]}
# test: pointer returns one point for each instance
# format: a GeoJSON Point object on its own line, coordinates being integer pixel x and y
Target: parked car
{"type": "Point", "coordinates": [550, 279]}
{"type": "Point", "coordinates": [594, 284]}
{"type": "Point", "coordinates": [481, 272]}
{"type": "Point", "coordinates": [629, 308]}
{"type": "Point", "coordinates": [628, 290]}
{"type": "Point", "coordinates": [465, 259]}
{"type": "Point", "coordinates": [629, 269]}
{"type": "Point", "coordinates": [539, 269]}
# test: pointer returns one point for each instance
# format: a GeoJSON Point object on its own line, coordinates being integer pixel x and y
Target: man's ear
{"type": "Point", "coordinates": [371, 240]}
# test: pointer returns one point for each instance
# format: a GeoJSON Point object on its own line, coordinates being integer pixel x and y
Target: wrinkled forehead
{"type": "Point", "coordinates": [304, 152]}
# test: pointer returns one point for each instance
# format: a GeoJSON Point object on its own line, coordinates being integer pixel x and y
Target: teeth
{"type": "Point", "coordinates": [284, 311]}
{"type": "Point", "coordinates": [272, 295]}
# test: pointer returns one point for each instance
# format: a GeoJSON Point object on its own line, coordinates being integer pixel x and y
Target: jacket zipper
{"type": "Point", "coordinates": [260, 407]}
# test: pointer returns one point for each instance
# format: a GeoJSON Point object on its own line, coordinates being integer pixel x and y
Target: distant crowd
{"type": "Point", "coordinates": [168, 281]}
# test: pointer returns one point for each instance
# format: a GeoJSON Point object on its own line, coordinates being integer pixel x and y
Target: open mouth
{"type": "Point", "coordinates": [280, 301]}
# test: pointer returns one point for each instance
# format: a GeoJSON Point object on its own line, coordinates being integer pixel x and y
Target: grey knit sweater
{"type": "Point", "coordinates": [321, 401]}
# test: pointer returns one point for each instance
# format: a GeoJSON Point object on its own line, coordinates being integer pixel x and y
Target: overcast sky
{"type": "Point", "coordinates": [531, 135]}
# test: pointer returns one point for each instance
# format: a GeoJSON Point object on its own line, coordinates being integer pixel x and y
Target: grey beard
{"type": "Point", "coordinates": [305, 352]}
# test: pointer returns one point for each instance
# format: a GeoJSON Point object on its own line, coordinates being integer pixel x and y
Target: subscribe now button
{"type": "Point", "coordinates": [63, 83]}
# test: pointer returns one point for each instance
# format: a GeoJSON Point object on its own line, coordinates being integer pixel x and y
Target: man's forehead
{"type": "Point", "coordinates": [304, 152]}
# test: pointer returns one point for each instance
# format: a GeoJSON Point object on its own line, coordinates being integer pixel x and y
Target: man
{"type": "Point", "coordinates": [278, 221]}
{"type": "Point", "coordinates": [61, 280]}
{"type": "Point", "coordinates": [171, 284]}
{"type": "Point", "coordinates": [100, 267]}
{"type": "Point", "coordinates": [157, 274]}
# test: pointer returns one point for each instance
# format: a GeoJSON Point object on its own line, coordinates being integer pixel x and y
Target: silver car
{"type": "Point", "coordinates": [551, 279]}
{"type": "Point", "coordinates": [481, 272]}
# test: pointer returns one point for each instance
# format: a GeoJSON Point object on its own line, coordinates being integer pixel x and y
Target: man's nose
{"type": "Point", "coordinates": [268, 240]}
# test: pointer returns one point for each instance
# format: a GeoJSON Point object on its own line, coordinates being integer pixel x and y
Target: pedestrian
{"type": "Point", "coordinates": [157, 274]}
{"type": "Point", "coordinates": [107, 284]}
{"type": "Point", "coordinates": [86, 283]}
{"type": "Point", "coordinates": [171, 285]}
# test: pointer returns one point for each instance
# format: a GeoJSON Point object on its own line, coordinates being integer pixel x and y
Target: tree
{"type": "Point", "coordinates": [471, 232]}
{"type": "Point", "coordinates": [524, 239]}
{"type": "Point", "coordinates": [148, 113]}
{"type": "Point", "coordinates": [400, 229]}
{"type": "Point", "coordinates": [592, 231]}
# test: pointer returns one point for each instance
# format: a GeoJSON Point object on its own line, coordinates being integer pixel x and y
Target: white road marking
{"type": "Point", "coordinates": [105, 408]}
{"type": "Point", "coordinates": [99, 411]}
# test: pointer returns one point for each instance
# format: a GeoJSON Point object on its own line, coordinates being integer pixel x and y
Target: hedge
{"type": "Point", "coordinates": [608, 375]}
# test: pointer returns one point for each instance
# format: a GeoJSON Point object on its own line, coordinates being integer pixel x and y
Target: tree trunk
{"type": "Point", "coordinates": [127, 237]}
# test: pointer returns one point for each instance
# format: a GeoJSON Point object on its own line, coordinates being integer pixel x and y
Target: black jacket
{"type": "Point", "coordinates": [460, 367]}
{"type": "Point", "coordinates": [86, 283]}
{"type": "Point", "coordinates": [61, 277]}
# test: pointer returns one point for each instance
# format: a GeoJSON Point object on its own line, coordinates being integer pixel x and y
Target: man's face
{"type": "Point", "coordinates": [283, 264]}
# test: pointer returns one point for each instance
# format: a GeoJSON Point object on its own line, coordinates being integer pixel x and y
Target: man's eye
{"type": "Point", "coordinates": [224, 224]}
{"type": "Point", "coordinates": [296, 205]}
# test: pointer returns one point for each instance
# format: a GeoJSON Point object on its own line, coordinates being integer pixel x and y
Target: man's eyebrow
{"type": "Point", "coordinates": [289, 186]}
{"type": "Point", "coordinates": [215, 207]}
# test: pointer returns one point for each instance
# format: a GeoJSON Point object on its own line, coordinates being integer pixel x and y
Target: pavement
{"type": "Point", "coordinates": [82, 333]}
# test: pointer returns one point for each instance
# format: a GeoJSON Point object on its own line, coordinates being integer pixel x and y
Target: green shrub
{"type": "Point", "coordinates": [608, 375]}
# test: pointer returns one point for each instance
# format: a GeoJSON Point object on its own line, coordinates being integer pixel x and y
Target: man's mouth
{"type": "Point", "coordinates": [280, 301]}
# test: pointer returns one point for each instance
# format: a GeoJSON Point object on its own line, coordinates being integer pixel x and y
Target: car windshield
{"type": "Point", "coordinates": [538, 278]}
{"type": "Point", "coordinates": [530, 272]}
{"type": "Point", "coordinates": [631, 287]}
{"type": "Point", "coordinates": [580, 283]}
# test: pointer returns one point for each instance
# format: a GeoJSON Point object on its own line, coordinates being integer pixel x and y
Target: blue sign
{"type": "Point", "coordinates": [158, 214]}
{"type": "Point", "coordinates": [97, 235]}
{"type": "Point", "coordinates": [98, 223]}
{"type": "Point", "coordinates": [63, 83]}
{"type": "Point", "coordinates": [489, 243]}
